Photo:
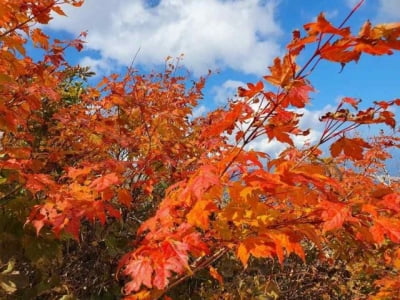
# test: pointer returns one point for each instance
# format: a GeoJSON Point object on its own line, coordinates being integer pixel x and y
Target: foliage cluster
{"type": "Point", "coordinates": [119, 181]}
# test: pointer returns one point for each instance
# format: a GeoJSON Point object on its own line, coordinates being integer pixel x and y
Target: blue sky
{"type": "Point", "coordinates": [237, 39]}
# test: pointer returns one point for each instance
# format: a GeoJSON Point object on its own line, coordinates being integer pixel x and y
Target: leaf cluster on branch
{"type": "Point", "coordinates": [190, 192]}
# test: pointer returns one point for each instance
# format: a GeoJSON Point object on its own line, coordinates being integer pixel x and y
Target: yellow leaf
{"type": "Point", "coordinates": [243, 254]}
{"type": "Point", "coordinates": [199, 215]}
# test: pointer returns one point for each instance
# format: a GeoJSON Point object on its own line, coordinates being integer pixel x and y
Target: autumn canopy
{"type": "Point", "coordinates": [123, 165]}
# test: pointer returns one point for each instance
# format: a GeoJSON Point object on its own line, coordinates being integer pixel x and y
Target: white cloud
{"type": "Point", "coordinates": [389, 10]}
{"type": "Point", "coordinates": [227, 90]}
{"type": "Point", "coordinates": [352, 3]}
{"type": "Point", "coordinates": [199, 110]}
{"type": "Point", "coordinates": [310, 118]}
{"type": "Point", "coordinates": [99, 66]}
{"type": "Point", "coordinates": [263, 144]}
{"type": "Point", "coordinates": [240, 34]}
{"type": "Point", "coordinates": [331, 14]}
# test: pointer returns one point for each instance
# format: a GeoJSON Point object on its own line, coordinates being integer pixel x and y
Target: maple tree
{"type": "Point", "coordinates": [77, 157]}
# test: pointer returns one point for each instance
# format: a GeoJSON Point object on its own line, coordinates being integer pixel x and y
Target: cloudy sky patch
{"type": "Point", "coordinates": [212, 34]}
{"type": "Point", "coordinates": [236, 38]}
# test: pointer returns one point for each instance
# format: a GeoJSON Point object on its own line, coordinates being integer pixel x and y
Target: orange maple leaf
{"type": "Point", "coordinates": [252, 89]}
{"type": "Point", "coordinates": [104, 182]}
{"type": "Point", "coordinates": [351, 147]}
{"type": "Point", "coordinates": [323, 26]}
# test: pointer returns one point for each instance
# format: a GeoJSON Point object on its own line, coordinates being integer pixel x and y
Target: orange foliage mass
{"type": "Point", "coordinates": [132, 132]}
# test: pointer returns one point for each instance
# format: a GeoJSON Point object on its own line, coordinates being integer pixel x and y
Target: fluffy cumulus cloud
{"type": "Point", "coordinates": [389, 10]}
{"type": "Point", "coordinates": [99, 66]}
{"type": "Point", "coordinates": [212, 34]}
{"type": "Point", "coordinates": [227, 90]}
{"type": "Point", "coordinates": [352, 3]}
{"type": "Point", "coordinates": [199, 110]}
